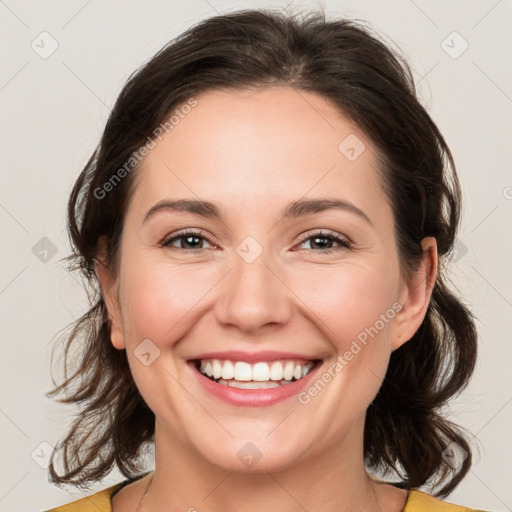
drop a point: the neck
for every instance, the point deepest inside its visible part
(334, 479)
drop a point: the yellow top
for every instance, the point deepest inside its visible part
(417, 501)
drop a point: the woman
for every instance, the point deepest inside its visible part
(266, 221)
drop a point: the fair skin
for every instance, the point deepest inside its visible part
(253, 153)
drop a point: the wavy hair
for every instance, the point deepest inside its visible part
(369, 82)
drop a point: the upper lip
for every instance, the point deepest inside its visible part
(253, 357)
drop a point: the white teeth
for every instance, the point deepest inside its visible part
(288, 370)
(260, 372)
(228, 370)
(217, 369)
(241, 372)
(276, 371)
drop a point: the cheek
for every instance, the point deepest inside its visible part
(158, 299)
(160, 303)
(349, 302)
(353, 307)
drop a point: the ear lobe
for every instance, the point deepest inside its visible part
(416, 294)
(109, 293)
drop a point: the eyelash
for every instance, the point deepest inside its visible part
(329, 235)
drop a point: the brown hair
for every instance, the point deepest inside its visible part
(372, 85)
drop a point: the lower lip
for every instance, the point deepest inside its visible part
(253, 397)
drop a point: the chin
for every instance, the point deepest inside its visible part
(252, 454)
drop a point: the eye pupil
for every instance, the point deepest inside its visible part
(188, 238)
(327, 240)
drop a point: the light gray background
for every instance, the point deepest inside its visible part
(52, 113)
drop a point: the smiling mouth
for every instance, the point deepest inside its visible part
(260, 375)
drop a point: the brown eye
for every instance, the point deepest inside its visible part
(190, 241)
(324, 241)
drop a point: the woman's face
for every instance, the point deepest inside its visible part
(259, 283)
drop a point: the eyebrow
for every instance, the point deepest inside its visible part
(293, 210)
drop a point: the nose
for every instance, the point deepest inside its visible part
(253, 296)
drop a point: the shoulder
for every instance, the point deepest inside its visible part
(99, 502)
(419, 501)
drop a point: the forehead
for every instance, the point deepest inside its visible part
(248, 149)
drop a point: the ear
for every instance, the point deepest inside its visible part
(415, 295)
(109, 292)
